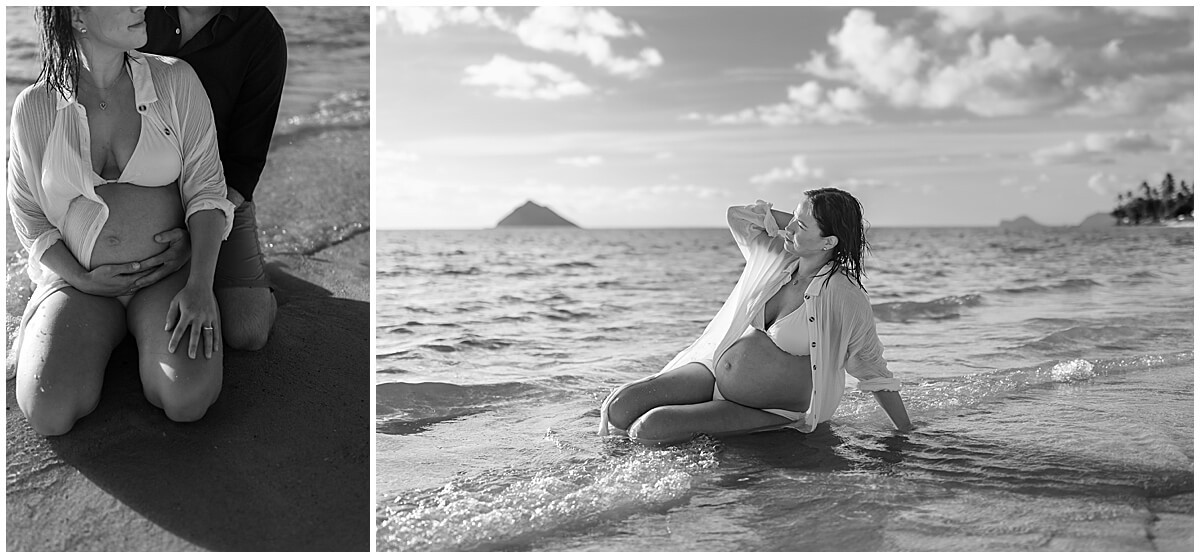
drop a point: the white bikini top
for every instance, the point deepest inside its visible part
(789, 332)
(156, 161)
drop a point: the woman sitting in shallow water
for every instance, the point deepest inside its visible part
(109, 148)
(774, 354)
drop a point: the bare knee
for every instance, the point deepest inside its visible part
(188, 405)
(622, 411)
(54, 416)
(659, 426)
(184, 391)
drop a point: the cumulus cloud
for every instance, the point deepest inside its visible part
(1105, 184)
(1152, 13)
(1100, 148)
(524, 80)
(1000, 77)
(874, 58)
(798, 171)
(1134, 95)
(422, 20)
(587, 32)
(865, 184)
(1111, 50)
(951, 19)
(809, 103)
(581, 162)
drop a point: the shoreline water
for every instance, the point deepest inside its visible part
(1055, 410)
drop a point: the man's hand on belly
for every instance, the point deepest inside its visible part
(177, 252)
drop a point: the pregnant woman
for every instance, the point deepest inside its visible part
(774, 355)
(108, 148)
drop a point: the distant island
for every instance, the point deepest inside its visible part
(1021, 223)
(1093, 221)
(534, 215)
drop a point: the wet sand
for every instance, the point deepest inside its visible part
(282, 460)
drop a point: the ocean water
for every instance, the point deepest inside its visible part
(328, 75)
(1050, 374)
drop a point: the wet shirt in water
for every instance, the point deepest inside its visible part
(52, 185)
(848, 344)
(241, 58)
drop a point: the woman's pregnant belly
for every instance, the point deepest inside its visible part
(135, 215)
(756, 373)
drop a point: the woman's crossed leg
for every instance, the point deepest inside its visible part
(677, 405)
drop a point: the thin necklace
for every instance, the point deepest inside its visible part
(104, 98)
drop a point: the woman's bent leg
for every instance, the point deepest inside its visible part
(65, 348)
(678, 423)
(690, 383)
(182, 387)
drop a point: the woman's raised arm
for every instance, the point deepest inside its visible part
(755, 224)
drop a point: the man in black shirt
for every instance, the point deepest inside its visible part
(240, 55)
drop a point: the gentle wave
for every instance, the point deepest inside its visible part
(939, 309)
(1065, 285)
(400, 404)
(1087, 336)
(949, 394)
(512, 512)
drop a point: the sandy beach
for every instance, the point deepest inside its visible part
(282, 459)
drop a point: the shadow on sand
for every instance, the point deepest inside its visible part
(282, 459)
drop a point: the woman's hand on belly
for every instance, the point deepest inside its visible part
(135, 215)
(756, 373)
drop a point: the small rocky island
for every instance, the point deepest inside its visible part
(1021, 223)
(534, 215)
(1093, 221)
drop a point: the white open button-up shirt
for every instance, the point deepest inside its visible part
(49, 162)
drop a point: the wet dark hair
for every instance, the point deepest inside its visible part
(840, 214)
(60, 54)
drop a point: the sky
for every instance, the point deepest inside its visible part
(630, 117)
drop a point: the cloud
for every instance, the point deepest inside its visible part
(798, 171)
(1111, 50)
(1135, 95)
(874, 58)
(1100, 148)
(419, 20)
(1146, 14)
(865, 184)
(581, 162)
(1105, 184)
(587, 32)
(951, 19)
(1004, 78)
(1001, 77)
(807, 104)
(524, 80)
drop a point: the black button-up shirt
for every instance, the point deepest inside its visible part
(241, 58)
